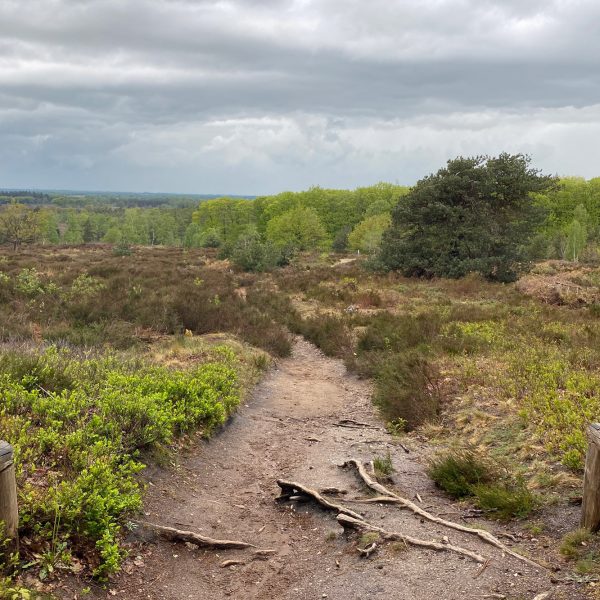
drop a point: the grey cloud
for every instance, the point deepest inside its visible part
(130, 91)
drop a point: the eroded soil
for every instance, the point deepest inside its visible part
(289, 428)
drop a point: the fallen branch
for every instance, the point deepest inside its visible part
(366, 552)
(484, 535)
(349, 523)
(291, 490)
(352, 424)
(180, 535)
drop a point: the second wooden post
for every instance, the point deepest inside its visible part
(590, 513)
(9, 513)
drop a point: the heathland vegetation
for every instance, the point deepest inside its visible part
(114, 354)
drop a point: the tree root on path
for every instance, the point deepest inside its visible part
(179, 535)
(349, 523)
(291, 490)
(389, 496)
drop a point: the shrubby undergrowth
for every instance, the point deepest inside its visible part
(81, 426)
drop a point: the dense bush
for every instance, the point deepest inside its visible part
(79, 424)
(407, 387)
(476, 214)
(330, 333)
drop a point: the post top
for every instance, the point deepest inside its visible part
(594, 433)
(6, 453)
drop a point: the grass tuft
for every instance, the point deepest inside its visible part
(456, 472)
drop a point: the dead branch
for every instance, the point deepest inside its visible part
(349, 523)
(291, 489)
(231, 563)
(333, 491)
(366, 552)
(404, 502)
(352, 424)
(403, 447)
(180, 535)
(482, 568)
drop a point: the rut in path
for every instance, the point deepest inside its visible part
(289, 429)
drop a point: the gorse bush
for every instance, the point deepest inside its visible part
(82, 422)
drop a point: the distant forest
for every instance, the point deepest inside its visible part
(315, 219)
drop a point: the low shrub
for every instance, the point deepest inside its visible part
(78, 425)
(330, 333)
(457, 471)
(505, 500)
(396, 333)
(383, 465)
(407, 386)
(575, 543)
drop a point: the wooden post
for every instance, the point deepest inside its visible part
(590, 511)
(9, 513)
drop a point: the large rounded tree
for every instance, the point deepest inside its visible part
(476, 214)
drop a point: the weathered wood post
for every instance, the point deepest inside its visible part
(9, 513)
(590, 510)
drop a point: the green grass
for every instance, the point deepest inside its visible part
(575, 543)
(505, 500)
(383, 465)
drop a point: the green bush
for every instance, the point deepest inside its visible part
(82, 423)
(251, 253)
(505, 500)
(456, 472)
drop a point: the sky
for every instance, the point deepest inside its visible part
(256, 97)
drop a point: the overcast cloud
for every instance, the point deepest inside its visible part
(248, 96)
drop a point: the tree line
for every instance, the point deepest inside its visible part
(488, 214)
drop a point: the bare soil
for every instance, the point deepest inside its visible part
(289, 428)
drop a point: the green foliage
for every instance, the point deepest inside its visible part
(558, 400)
(122, 249)
(85, 421)
(29, 283)
(383, 465)
(299, 229)
(476, 214)
(577, 234)
(367, 235)
(574, 543)
(251, 253)
(456, 472)
(18, 225)
(505, 500)
(464, 473)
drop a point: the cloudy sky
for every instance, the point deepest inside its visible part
(249, 96)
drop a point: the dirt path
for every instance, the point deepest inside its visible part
(226, 489)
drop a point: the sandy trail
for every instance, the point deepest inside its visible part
(226, 488)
